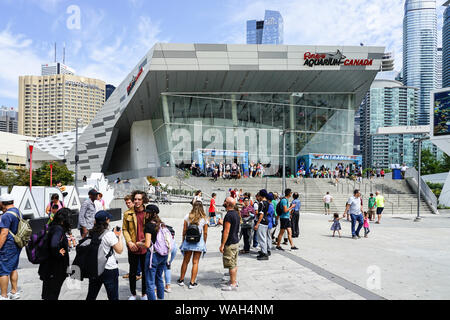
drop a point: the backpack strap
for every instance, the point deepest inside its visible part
(15, 215)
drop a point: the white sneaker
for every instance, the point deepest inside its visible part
(193, 285)
(3, 298)
(14, 296)
(132, 298)
(168, 290)
(144, 297)
(230, 288)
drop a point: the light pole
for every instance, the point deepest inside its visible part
(77, 158)
(419, 141)
(30, 149)
(283, 133)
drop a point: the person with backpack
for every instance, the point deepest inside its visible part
(195, 234)
(54, 201)
(285, 219)
(53, 269)
(159, 243)
(10, 235)
(110, 243)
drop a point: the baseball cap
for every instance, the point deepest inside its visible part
(151, 208)
(263, 193)
(93, 192)
(102, 216)
(6, 198)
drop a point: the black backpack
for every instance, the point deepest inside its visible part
(172, 231)
(90, 257)
(37, 248)
(279, 209)
(193, 234)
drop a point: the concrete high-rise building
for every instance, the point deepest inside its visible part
(267, 31)
(51, 69)
(8, 120)
(446, 47)
(439, 68)
(388, 104)
(419, 52)
(49, 105)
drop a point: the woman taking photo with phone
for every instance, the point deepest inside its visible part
(111, 242)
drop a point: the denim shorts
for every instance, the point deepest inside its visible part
(9, 258)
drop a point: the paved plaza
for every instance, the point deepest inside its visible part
(401, 259)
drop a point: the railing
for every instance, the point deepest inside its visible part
(425, 191)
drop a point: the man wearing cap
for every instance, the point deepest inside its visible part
(86, 218)
(9, 251)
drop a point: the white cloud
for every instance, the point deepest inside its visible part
(111, 61)
(17, 57)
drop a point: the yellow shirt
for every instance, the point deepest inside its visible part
(380, 201)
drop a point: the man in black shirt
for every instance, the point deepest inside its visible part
(230, 242)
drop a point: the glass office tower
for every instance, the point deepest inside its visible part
(446, 48)
(419, 52)
(267, 31)
(387, 104)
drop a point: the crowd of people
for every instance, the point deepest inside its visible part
(226, 170)
(268, 221)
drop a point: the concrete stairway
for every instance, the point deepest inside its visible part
(399, 198)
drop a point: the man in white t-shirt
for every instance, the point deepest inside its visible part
(327, 201)
(353, 207)
(403, 169)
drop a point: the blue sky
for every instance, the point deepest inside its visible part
(115, 34)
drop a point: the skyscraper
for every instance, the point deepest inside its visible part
(387, 104)
(419, 52)
(49, 105)
(439, 68)
(8, 120)
(446, 47)
(267, 31)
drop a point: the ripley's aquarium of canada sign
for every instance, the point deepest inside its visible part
(333, 59)
(134, 80)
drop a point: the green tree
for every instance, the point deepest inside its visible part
(445, 164)
(2, 165)
(41, 176)
(430, 165)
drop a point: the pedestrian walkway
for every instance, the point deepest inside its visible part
(400, 260)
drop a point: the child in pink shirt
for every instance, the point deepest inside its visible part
(366, 224)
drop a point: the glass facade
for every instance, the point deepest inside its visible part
(419, 52)
(267, 31)
(446, 49)
(254, 122)
(388, 104)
